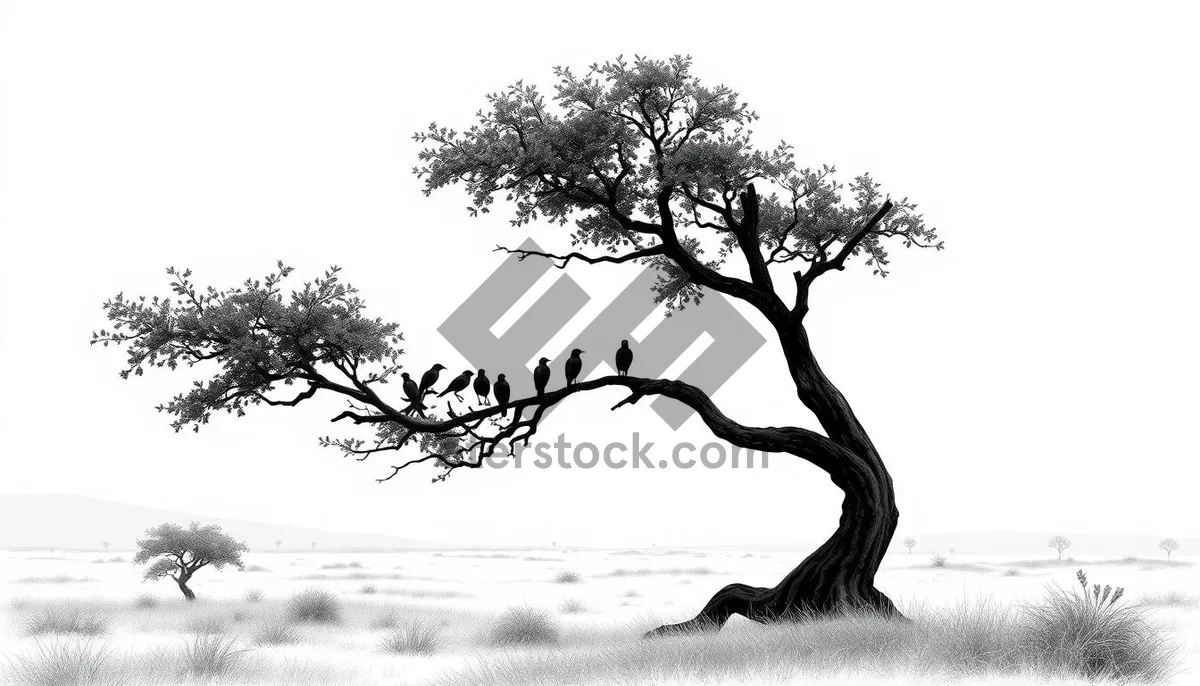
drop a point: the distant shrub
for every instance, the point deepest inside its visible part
(631, 593)
(343, 565)
(524, 626)
(207, 625)
(383, 620)
(145, 601)
(59, 579)
(572, 606)
(368, 589)
(1090, 634)
(256, 568)
(254, 595)
(275, 633)
(315, 605)
(110, 560)
(1012, 572)
(415, 638)
(1170, 599)
(937, 560)
(65, 620)
(568, 577)
(66, 663)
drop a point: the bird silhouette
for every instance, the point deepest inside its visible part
(624, 359)
(574, 365)
(429, 378)
(458, 383)
(541, 376)
(503, 393)
(482, 387)
(412, 394)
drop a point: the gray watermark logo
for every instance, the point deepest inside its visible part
(636, 454)
(468, 329)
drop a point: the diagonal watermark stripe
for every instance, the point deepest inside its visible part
(468, 329)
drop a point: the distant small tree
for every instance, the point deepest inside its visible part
(1169, 545)
(314, 545)
(105, 544)
(179, 553)
(909, 543)
(1059, 543)
(278, 544)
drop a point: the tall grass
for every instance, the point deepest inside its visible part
(64, 620)
(61, 662)
(210, 655)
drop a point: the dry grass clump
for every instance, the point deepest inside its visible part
(275, 633)
(568, 577)
(572, 606)
(315, 605)
(59, 579)
(254, 595)
(524, 626)
(671, 571)
(145, 601)
(414, 638)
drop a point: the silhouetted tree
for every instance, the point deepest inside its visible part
(278, 544)
(314, 545)
(909, 543)
(1059, 543)
(653, 167)
(179, 553)
(1168, 545)
(105, 545)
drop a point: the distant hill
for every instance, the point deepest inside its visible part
(1024, 543)
(80, 522)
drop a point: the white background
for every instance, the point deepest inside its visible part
(1039, 374)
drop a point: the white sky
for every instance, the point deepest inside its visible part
(1040, 374)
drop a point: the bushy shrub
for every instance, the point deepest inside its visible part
(145, 601)
(209, 655)
(937, 560)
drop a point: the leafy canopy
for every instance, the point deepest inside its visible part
(178, 551)
(259, 338)
(637, 153)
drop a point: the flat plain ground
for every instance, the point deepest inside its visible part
(517, 616)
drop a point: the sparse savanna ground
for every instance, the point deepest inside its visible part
(565, 617)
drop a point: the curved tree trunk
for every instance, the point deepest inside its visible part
(839, 575)
(183, 587)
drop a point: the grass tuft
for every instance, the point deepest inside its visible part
(275, 633)
(210, 655)
(572, 606)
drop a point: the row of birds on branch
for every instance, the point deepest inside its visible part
(415, 393)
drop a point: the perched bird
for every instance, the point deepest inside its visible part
(412, 394)
(574, 365)
(458, 383)
(503, 393)
(624, 359)
(482, 387)
(541, 376)
(429, 378)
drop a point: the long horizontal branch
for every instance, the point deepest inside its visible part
(612, 259)
(809, 445)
